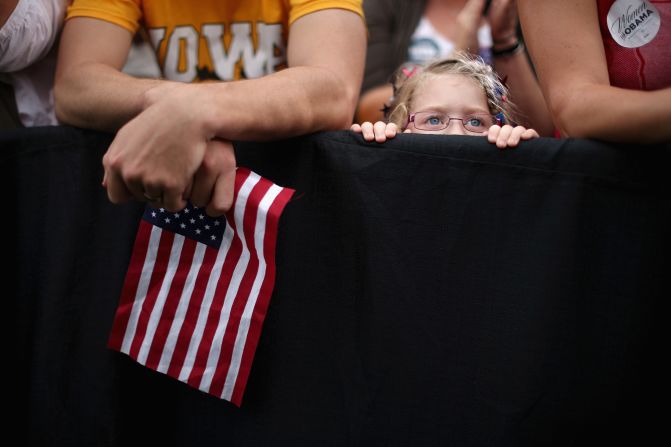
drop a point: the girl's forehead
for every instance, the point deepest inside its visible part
(450, 90)
(446, 80)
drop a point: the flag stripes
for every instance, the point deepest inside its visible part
(195, 311)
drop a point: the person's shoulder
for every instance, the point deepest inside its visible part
(300, 8)
(124, 13)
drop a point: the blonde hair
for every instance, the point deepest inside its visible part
(407, 81)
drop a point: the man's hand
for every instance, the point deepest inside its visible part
(156, 155)
(214, 181)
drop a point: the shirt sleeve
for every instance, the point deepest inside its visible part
(125, 13)
(29, 33)
(299, 8)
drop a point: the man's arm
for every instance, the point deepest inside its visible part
(318, 91)
(161, 149)
(573, 74)
(90, 89)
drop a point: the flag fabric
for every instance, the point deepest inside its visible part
(198, 288)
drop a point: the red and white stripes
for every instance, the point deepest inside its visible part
(194, 312)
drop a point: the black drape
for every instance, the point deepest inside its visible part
(430, 291)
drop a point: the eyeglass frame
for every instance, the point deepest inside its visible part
(497, 120)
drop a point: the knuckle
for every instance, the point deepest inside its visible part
(112, 161)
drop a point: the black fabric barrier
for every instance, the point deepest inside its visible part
(430, 291)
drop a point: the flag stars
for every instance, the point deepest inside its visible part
(182, 225)
(198, 231)
(207, 227)
(213, 237)
(216, 223)
(167, 220)
(162, 210)
(201, 217)
(176, 215)
(186, 211)
(153, 214)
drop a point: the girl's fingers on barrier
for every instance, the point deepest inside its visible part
(504, 135)
(379, 128)
(391, 130)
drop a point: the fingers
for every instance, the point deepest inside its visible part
(529, 134)
(514, 138)
(220, 158)
(379, 132)
(128, 179)
(521, 133)
(172, 199)
(222, 194)
(509, 136)
(367, 131)
(391, 130)
(205, 177)
(504, 134)
(379, 129)
(211, 186)
(117, 192)
(493, 133)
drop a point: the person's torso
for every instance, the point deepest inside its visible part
(637, 41)
(218, 40)
(427, 43)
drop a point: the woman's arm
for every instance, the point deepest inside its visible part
(381, 15)
(516, 69)
(565, 43)
(525, 91)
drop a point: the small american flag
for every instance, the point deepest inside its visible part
(197, 289)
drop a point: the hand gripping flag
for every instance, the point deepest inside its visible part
(197, 289)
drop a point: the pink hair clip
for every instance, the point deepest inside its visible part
(409, 73)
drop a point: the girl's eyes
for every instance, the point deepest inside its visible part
(433, 120)
(475, 122)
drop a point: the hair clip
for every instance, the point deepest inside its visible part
(409, 73)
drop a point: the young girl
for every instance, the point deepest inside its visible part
(456, 96)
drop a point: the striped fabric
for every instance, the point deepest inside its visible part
(197, 289)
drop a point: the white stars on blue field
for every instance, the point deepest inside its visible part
(207, 230)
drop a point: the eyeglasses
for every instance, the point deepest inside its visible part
(476, 123)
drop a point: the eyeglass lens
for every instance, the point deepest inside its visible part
(431, 121)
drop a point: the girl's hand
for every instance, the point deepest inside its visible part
(380, 131)
(509, 136)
